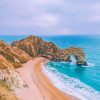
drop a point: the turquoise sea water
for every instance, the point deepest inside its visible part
(83, 82)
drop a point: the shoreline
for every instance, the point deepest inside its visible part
(40, 87)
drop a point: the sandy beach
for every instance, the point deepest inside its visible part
(39, 86)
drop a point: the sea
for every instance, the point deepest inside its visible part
(82, 82)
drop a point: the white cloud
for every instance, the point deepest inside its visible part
(94, 12)
(46, 20)
(49, 16)
(64, 31)
(95, 19)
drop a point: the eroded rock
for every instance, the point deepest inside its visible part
(36, 47)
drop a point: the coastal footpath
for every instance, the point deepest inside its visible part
(13, 56)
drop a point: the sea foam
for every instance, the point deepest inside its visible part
(70, 85)
(89, 64)
(74, 63)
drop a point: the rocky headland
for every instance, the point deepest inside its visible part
(36, 47)
(12, 56)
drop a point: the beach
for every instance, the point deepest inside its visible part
(39, 86)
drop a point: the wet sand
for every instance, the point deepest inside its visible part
(39, 86)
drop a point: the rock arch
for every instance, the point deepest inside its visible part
(78, 53)
(36, 47)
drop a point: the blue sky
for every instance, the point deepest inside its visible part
(49, 17)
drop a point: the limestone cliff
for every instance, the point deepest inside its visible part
(35, 47)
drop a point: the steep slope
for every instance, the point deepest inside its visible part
(12, 55)
(10, 58)
(4, 63)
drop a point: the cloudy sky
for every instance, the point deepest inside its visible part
(49, 17)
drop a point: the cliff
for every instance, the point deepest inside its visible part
(36, 47)
(18, 52)
(10, 58)
(10, 55)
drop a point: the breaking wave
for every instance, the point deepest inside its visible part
(70, 85)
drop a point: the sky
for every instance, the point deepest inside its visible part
(49, 17)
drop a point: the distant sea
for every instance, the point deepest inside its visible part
(83, 82)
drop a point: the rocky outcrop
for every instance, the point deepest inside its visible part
(36, 47)
(78, 53)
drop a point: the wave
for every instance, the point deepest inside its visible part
(89, 64)
(73, 62)
(70, 85)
